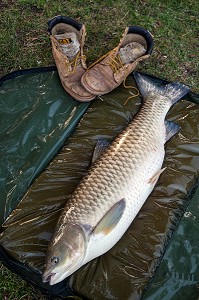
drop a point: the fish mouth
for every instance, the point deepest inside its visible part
(56, 277)
(48, 278)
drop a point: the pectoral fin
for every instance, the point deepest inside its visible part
(110, 220)
(154, 179)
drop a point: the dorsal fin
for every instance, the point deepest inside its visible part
(99, 149)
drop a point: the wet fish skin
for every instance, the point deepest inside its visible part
(116, 186)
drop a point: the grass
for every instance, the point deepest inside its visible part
(174, 25)
(14, 288)
(25, 43)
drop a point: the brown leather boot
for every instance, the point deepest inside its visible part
(67, 37)
(113, 68)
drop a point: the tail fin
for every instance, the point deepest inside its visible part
(174, 90)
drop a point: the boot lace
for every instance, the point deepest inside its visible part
(116, 63)
(75, 62)
(131, 87)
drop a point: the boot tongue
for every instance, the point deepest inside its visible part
(131, 52)
(69, 44)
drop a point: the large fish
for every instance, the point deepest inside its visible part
(116, 186)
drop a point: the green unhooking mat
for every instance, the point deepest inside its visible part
(36, 116)
(178, 274)
(128, 270)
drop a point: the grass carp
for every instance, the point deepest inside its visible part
(121, 177)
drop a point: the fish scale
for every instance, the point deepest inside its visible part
(116, 186)
(125, 161)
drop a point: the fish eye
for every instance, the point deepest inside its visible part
(54, 260)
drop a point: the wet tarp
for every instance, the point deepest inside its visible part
(36, 116)
(127, 270)
(177, 276)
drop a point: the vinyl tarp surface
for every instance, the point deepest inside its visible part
(36, 116)
(128, 270)
(177, 277)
